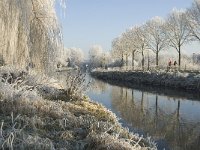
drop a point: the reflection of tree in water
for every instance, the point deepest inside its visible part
(121, 103)
(156, 121)
(98, 86)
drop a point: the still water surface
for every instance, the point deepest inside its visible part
(173, 122)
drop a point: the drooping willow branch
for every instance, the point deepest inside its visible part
(31, 33)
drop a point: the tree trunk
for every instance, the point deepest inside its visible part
(179, 57)
(142, 102)
(178, 110)
(156, 113)
(126, 61)
(148, 61)
(133, 58)
(142, 60)
(157, 59)
(156, 105)
(132, 97)
(122, 59)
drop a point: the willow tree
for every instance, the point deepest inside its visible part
(30, 33)
(157, 39)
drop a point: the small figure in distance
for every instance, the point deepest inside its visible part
(175, 63)
(169, 65)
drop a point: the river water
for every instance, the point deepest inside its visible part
(172, 121)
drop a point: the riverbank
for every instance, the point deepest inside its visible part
(173, 80)
(37, 113)
(149, 112)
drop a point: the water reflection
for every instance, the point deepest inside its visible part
(173, 122)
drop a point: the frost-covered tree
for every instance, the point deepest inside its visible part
(126, 45)
(193, 19)
(95, 55)
(137, 39)
(130, 42)
(131, 46)
(117, 49)
(30, 33)
(99, 58)
(140, 41)
(64, 57)
(156, 35)
(105, 59)
(108, 57)
(76, 56)
(177, 31)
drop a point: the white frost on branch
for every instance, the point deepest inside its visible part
(30, 34)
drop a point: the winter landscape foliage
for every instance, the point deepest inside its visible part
(158, 40)
(30, 34)
(37, 111)
(140, 58)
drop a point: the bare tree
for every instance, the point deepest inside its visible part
(132, 44)
(193, 19)
(177, 31)
(117, 49)
(140, 41)
(126, 45)
(156, 35)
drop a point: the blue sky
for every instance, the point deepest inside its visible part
(89, 22)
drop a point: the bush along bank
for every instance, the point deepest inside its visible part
(36, 113)
(174, 80)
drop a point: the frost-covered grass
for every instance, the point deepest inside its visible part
(31, 119)
(187, 80)
(173, 71)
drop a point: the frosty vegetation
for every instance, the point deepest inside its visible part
(38, 111)
(152, 44)
(97, 57)
(171, 79)
(30, 34)
(30, 119)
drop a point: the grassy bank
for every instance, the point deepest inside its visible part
(173, 80)
(37, 113)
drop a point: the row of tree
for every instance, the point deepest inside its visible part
(158, 34)
(74, 57)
